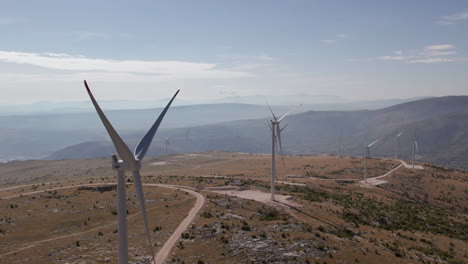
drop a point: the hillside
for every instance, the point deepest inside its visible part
(441, 125)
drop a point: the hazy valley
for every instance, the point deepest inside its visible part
(441, 125)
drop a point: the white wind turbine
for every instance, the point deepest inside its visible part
(397, 144)
(276, 138)
(339, 145)
(168, 144)
(367, 156)
(415, 148)
(186, 140)
(128, 162)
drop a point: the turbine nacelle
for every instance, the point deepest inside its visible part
(120, 165)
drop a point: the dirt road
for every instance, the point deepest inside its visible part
(163, 253)
(161, 256)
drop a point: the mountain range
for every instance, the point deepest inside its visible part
(440, 124)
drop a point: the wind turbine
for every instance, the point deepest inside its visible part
(186, 140)
(167, 144)
(276, 139)
(128, 162)
(397, 144)
(339, 145)
(367, 156)
(415, 148)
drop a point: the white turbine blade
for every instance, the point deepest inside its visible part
(278, 136)
(372, 143)
(281, 130)
(269, 125)
(399, 134)
(416, 144)
(142, 148)
(123, 150)
(141, 201)
(279, 120)
(271, 111)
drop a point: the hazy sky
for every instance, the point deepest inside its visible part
(209, 49)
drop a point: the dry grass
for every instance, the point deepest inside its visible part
(335, 222)
(82, 224)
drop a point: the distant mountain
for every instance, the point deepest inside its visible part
(38, 135)
(311, 102)
(441, 125)
(283, 100)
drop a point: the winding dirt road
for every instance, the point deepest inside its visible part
(162, 254)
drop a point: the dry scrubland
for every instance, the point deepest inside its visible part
(417, 217)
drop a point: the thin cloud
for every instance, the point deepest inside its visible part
(428, 54)
(6, 20)
(438, 60)
(458, 16)
(176, 69)
(430, 60)
(246, 57)
(334, 40)
(391, 58)
(452, 19)
(328, 41)
(91, 34)
(439, 47)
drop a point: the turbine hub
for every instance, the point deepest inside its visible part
(120, 165)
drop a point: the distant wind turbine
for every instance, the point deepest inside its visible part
(415, 148)
(276, 139)
(129, 162)
(397, 144)
(367, 156)
(186, 140)
(339, 145)
(168, 144)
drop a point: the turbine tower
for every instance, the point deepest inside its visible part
(276, 139)
(126, 161)
(367, 156)
(397, 144)
(415, 148)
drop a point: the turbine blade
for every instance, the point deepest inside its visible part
(416, 144)
(372, 143)
(141, 200)
(292, 109)
(271, 111)
(399, 134)
(142, 148)
(278, 132)
(281, 130)
(123, 150)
